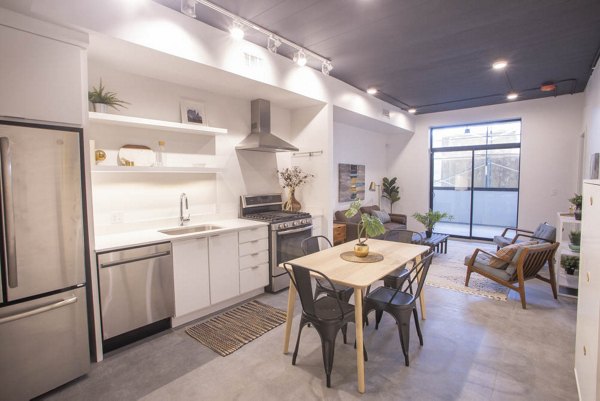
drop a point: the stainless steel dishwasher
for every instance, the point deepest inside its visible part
(136, 292)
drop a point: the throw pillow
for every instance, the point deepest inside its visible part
(512, 267)
(503, 256)
(382, 216)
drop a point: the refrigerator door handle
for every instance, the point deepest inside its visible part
(37, 311)
(8, 213)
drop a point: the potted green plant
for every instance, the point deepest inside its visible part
(570, 264)
(101, 99)
(577, 201)
(575, 238)
(369, 226)
(430, 219)
(391, 191)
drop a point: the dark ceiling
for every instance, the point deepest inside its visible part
(434, 55)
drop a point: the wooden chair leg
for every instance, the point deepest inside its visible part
(522, 294)
(468, 276)
(552, 279)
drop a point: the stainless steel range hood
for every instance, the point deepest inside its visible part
(261, 139)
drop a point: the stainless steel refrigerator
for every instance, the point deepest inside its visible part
(44, 339)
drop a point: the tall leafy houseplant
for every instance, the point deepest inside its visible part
(391, 191)
(368, 226)
(101, 96)
(430, 219)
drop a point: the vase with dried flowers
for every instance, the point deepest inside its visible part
(292, 178)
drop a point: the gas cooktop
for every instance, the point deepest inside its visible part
(277, 216)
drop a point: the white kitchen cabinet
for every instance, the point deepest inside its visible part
(191, 277)
(40, 78)
(587, 358)
(254, 259)
(224, 267)
(567, 283)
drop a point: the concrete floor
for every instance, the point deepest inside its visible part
(475, 349)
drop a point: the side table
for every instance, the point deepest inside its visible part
(339, 233)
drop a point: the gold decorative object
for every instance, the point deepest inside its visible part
(100, 155)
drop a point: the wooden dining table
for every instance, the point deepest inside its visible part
(356, 275)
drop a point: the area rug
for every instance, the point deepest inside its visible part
(235, 328)
(448, 271)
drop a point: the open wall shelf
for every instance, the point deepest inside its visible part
(160, 125)
(143, 169)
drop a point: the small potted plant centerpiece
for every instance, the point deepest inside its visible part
(575, 237)
(577, 201)
(430, 219)
(369, 226)
(101, 99)
(292, 178)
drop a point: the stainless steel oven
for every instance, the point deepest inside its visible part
(285, 245)
(287, 231)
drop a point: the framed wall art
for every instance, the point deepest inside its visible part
(192, 112)
(351, 182)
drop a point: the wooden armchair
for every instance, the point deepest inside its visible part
(544, 232)
(525, 265)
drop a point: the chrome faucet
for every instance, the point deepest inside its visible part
(183, 200)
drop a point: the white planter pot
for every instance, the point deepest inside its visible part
(100, 107)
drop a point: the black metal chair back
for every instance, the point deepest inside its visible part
(405, 236)
(301, 278)
(315, 244)
(418, 272)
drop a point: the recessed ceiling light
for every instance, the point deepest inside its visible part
(372, 91)
(412, 111)
(237, 31)
(512, 96)
(499, 64)
(300, 58)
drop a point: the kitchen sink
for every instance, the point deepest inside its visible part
(190, 229)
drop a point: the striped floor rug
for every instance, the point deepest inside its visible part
(231, 330)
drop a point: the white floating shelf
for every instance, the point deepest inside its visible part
(140, 169)
(137, 122)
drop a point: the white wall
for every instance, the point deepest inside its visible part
(357, 146)
(142, 200)
(591, 121)
(551, 140)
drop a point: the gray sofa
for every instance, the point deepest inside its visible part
(398, 221)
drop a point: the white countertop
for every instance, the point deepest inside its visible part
(110, 242)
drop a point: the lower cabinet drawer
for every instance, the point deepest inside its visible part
(251, 247)
(254, 259)
(253, 234)
(254, 277)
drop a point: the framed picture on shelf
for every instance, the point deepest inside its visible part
(192, 112)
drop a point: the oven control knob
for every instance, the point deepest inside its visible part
(285, 225)
(296, 223)
(306, 221)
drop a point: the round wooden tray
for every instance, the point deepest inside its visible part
(370, 258)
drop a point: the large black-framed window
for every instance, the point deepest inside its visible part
(474, 176)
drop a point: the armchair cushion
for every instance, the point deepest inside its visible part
(382, 216)
(482, 262)
(504, 256)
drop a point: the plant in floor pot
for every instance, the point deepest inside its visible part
(368, 226)
(570, 264)
(292, 178)
(101, 99)
(575, 238)
(391, 191)
(430, 219)
(577, 201)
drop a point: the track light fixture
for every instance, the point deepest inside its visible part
(372, 91)
(237, 31)
(188, 7)
(412, 110)
(326, 67)
(512, 96)
(273, 41)
(300, 58)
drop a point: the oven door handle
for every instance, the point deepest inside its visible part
(298, 230)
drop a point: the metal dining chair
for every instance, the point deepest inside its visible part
(397, 277)
(401, 304)
(315, 244)
(327, 314)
